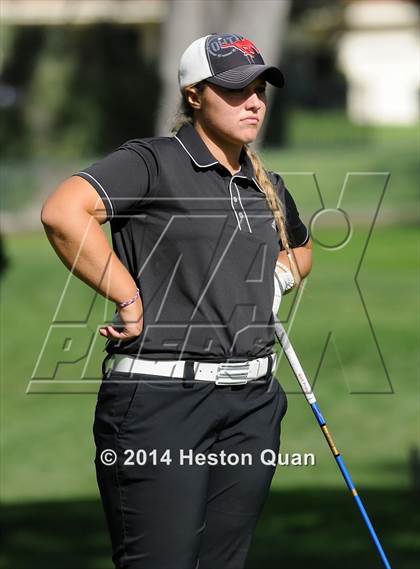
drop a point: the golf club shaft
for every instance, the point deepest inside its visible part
(310, 397)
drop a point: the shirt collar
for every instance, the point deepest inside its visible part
(197, 150)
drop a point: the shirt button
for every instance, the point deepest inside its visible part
(241, 214)
(235, 199)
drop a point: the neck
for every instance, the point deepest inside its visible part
(226, 153)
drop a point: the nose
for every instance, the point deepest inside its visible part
(254, 101)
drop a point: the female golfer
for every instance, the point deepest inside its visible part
(188, 401)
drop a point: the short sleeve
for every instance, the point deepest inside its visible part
(124, 177)
(297, 231)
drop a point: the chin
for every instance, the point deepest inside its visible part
(249, 139)
(243, 135)
(249, 134)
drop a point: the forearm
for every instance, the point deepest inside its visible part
(81, 244)
(301, 264)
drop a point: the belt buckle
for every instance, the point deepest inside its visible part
(232, 373)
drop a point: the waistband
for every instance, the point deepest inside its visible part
(223, 373)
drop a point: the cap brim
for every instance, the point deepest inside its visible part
(240, 77)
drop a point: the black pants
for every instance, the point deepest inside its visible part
(169, 515)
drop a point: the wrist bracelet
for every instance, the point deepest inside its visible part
(130, 301)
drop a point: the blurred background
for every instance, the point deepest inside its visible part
(80, 77)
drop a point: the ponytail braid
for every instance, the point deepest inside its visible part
(276, 207)
(271, 197)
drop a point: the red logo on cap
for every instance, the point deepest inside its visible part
(245, 46)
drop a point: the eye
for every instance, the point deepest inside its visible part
(261, 89)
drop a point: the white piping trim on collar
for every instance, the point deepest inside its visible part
(192, 157)
(102, 188)
(258, 186)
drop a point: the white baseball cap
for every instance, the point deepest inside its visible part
(228, 60)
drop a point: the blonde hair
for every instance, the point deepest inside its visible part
(185, 114)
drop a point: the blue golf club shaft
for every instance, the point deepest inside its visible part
(310, 397)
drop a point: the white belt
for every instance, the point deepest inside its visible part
(224, 373)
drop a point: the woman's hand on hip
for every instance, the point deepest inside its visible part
(127, 323)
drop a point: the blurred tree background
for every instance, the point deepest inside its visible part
(78, 91)
(72, 91)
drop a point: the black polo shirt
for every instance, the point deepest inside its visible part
(200, 243)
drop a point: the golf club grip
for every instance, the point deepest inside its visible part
(293, 361)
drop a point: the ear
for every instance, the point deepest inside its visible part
(193, 97)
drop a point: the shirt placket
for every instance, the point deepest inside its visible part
(236, 203)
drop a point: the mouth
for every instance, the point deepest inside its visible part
(251, 120)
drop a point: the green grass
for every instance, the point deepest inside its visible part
(360, 394)
(309, 527)
(25, 182)
(327, 147)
